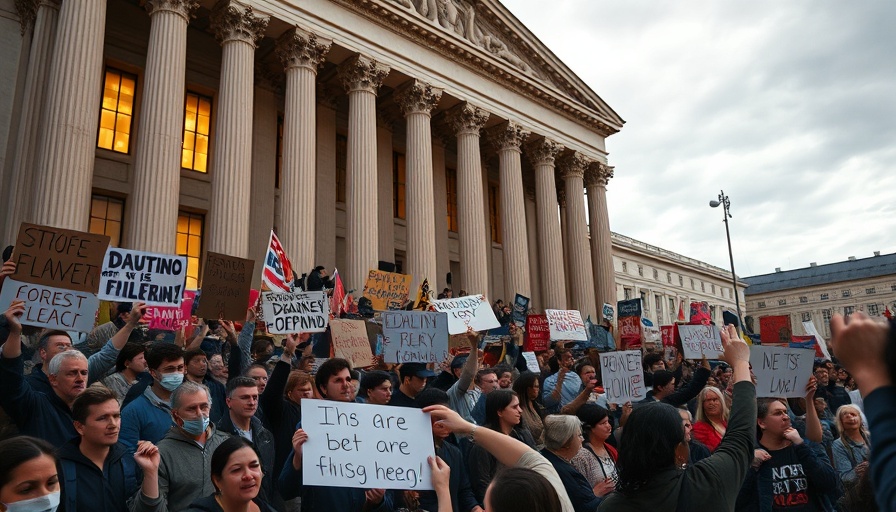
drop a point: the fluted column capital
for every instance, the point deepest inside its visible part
(598, 174)
(301, 48)
(183, 8)
(507, 136)
(467, 118)
(362, 73)
(233, 21)
(561, 197)
(27, 11)
(544, 151)
(572, 165)
(417, 97)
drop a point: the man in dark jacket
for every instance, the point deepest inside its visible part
(95, 472)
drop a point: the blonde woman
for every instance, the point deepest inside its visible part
(852, 449)
(712, 417)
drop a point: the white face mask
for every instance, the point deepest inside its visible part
(46, 503)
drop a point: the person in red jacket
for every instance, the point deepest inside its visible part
(712, 418)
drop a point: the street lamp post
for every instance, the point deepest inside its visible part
(725, 202)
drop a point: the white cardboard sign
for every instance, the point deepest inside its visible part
(471, 311)
(53, 308)
(623, 376)
(700, 340)
(531, 362)
(781, 372)
(137, 276)
(414, 336)
(566, 324)
(366, 446)
(286, 313)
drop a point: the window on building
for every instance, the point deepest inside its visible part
(658, 305)
(873, 309)
(870, 291)
(494, 212)
(451, 187)
(680, 281)
(672, 307)
(824, 296)
(641, 270)
(197, 122)
(713, 289)
(702, 287)
(399, 184)
(668, 277)
(106, 215)
(712, 311)
(782, 302)
(760, 304)
(625, 267)
(189, 244)
(826, 316)
(807, 317)
(845, 293)
(117, 110)
(804, 300)
(279, 168)
(644, 302)
(893, 288)
(341, 166)
(848, 310)
(656, 274)
(693, 285)
(627, 293)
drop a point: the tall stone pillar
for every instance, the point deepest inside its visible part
(385, 127)
(550, 244)
(22, 184)
(237, 28)
(325, 226)
(66, 154)
(301, 53)
(597, 175)
(416, 100)
(152, 215)
(467, 121)
(507, 139)
(361, 76)
(572, 169)
(564, 238)
(532, 247)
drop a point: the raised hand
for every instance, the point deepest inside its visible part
(147, 457)
(13, 314)
(735, 349)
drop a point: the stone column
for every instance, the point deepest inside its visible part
(361, 76)
(385, 127)
(597, 175)
(416, 100)
(301, 53)
(550, 244)
(22, 184)
(325, 226)
(152, 214)
(572, 169)
(237, 28)
(67, 147)
(507, 139)
(564, 238)
(467, 121)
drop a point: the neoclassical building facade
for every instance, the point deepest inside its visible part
(440, 136)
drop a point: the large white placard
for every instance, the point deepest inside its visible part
(781, 371)
(700, 340)
(286, 313)
(566, 324)
(471, 311)
(622, 376)
(53, 308)
(367, 446)
(414, 337)
(137, 276)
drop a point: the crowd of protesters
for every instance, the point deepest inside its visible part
(211, 420)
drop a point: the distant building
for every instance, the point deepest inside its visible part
(818, 291)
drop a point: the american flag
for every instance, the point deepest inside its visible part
(277, 269)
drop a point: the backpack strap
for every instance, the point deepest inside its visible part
(70, 473)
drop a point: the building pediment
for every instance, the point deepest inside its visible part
(488, 38)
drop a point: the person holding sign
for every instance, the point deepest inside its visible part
(562, 387)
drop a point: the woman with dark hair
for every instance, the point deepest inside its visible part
(596, 460)
(513, 488)
(562, 441)
(131, 362)
(236, 475)
(653, 451)
(28, 477)
(502, 414)
(528, 388)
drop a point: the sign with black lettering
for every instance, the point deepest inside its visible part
(350, 342)
(60, 258)
(387, 290)
(226, 284)
(52, 308)
(366, 446)
(286, 313)
(622, 375)
(781, 372)
(136, 276)
(472, 311)
(415, 337)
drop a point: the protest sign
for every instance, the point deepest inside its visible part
(650, 334)
(520, 308)
(59, 258)
(531, 362)
(700, 340)
(566, 324)
(700, 313)
(538, 333)
(414, 337)
(169, 318)
(781, 371)
(669, 335)
(622, 376)
(608, 312)
(350, 342)
(629, 323)
(226, 282)
(775, 329)
(136, 276)
(472, 311)
(366, 446)
(810, 329)
(286, 313)
(387, 290)
(53, 308)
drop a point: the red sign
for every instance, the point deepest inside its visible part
(538, 333)
(700, 313)
(630, 332)
(775, 329)
(171, 318)
(669, 334)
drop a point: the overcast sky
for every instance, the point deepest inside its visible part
(790, 107)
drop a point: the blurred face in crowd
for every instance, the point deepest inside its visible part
(659, 365)
(534, 390)
(217, 367)
(260, 376)
(512, 414)
(822, 375)
(776, 421)
(305, 390)
(712, 405)
(686, 423)
(198, 367)
(193, 406)
(55, 344)
(587, 374)
(566, 360)
(102, 425)
(243, 402)
(850, 419)
(340, 387)
(138, 363)
(505, 380)
(842, 375)
(414, 385)
(71, 379)
(381, 394)
(488, 383)
(712, 382)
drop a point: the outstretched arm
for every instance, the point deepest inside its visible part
(503, 447)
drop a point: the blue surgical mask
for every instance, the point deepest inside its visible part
(171, 381)
(196, 427)
(46, 503)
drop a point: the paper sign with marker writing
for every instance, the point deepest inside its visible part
(622, 375)
(136, 276)
(286, 313)
(700, 340)
(171, 318)
(531, 362)
(566, 324)
(520, 307)
(414, 337)
(53, 308)
(387, 290)
(226, 284)
(350, 342)
(781, 371)
(60, 258)
(366, 446)
(471, 311)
